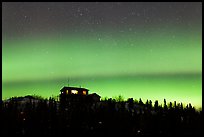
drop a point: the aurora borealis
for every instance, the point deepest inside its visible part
(147, 50)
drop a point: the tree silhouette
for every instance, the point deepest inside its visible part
(165, 106)
(170, 105)
(156, 105)
(120, 98)
(140, 102)
(101, 118)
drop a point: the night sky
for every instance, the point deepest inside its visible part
(147, 50)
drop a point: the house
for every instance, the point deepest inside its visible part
(95, 97)
(22, 101)
(72, 96)
(74, 90)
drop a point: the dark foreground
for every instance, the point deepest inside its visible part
(109, 117)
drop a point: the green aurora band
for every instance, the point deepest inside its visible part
(151, 64)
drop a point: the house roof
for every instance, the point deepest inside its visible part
(94, 94)
(76, 88)
(21, 98)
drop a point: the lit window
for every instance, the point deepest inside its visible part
(74, 92)
(84, 92)
(66, 91)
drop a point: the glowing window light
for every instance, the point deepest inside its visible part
(67, 91)
(74, 92)
(84, 92)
